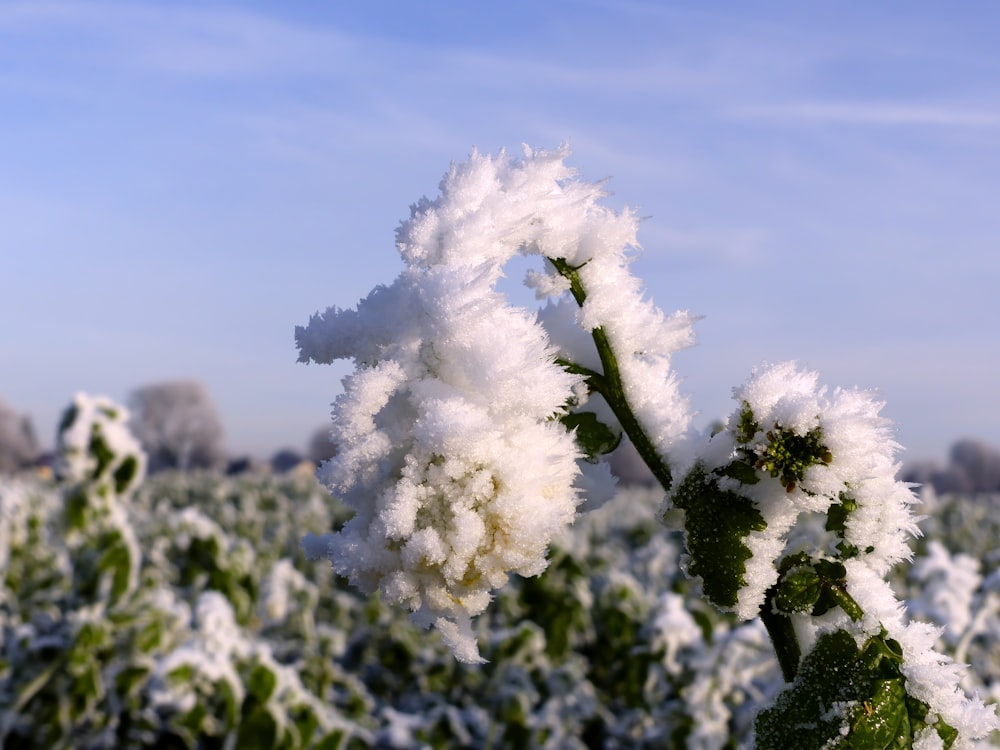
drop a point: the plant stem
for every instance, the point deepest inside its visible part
(846, 602)
(783, 638)
(609, 384)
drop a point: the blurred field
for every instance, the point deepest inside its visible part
(233, 639)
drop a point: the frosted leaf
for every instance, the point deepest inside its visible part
(281, 589)
(931, 677)
(790, 448)
(95, 445)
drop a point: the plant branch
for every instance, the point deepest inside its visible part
(610, 386)
(783, 638)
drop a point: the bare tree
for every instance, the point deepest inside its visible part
(979, 463)
(178, 426)
(973, 466)
(285, 459)
(930, 474)
(18, 446)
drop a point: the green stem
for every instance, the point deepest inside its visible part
(609, 384)
(783, 638)
(846, 602)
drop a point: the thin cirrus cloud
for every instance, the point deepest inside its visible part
(186, 40)
(883, 113)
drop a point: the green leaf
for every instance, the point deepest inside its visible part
(90, 685)
(846, 698)
(76, 511)
(715, 524)
(262, 682)
(836, 515)
(195, 719)
(225, 691)
(130, 679)
(335, 740)
(593, 436)
(809, 713)
(183, 673)
(747, 426)
(101, 451)
(32, 688)
(150, 637)
(258, 730)
(118, 561)
(125, 473)
(68, 418)
(836, 521)
(741, 471)
(883, 718)
(90, 639)
(799, 590)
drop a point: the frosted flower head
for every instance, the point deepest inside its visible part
(452, 452)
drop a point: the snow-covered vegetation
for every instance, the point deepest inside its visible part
(471, 575)
(231, 638)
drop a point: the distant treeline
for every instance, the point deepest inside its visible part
(180, 428)
(973, 467)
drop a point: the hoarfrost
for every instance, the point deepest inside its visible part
(451, 455)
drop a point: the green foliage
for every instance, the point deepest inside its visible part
(593, 436)
(784, 454)
(847, 698)
(582, 656)
(88, 628)
(716, 522)
(814, 587)
(799, 590)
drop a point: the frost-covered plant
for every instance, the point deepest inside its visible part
(102, 464)
(472, 431)
(79, 570)
(128, 621)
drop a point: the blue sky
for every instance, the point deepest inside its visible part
(181, 184)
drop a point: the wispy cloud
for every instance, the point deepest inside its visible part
(184, 39)
(878, 113)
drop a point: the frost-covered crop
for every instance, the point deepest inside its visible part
(473, 431)
(792, 449)
(96, 446)
(452, 432)
(104, 463)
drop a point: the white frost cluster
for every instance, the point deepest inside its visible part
(98, 453)
(216, 659)
(948, 587)
(732, 675)
(281, 591)
(450, 450)
(862, 464)
(15, 512)
(208, 655)
(674, 629)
